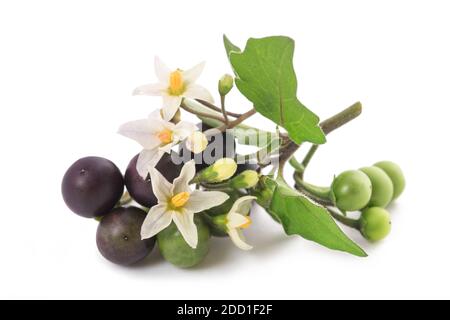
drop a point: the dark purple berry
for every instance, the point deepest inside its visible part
(141, 190)
(92, 186)
(119, 236)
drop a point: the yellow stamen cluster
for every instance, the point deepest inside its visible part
(246, 224)
(179, 199)
(176, 87)
(165, 136)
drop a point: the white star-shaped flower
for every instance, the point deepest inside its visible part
(173, 86)
(237, 219)
(177, 202)
(157, 136)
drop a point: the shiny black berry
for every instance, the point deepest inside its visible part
(92, 186)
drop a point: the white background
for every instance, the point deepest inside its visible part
(67, 70)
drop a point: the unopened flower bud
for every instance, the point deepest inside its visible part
(245, 180)
(197, 142)
(221, 170)
(225, 84)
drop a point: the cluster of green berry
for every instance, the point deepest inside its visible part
(369, 190)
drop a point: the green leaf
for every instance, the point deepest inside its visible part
(229, 46)
(265, 75)
(300, 216)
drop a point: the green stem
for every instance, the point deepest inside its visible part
(238, 121)
(225, 189)
(323, 202)
(352, 223)
(224, 112)
(124, 200)
(320, 192)
(215, 108)
(329, 126)
(221, 185)
(296, 164)
(201, 114)
(341, 118)
(309, 155)
(287, 151)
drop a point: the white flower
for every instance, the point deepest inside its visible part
(178, 203)
(237, 219)
(173, 86)
(156, 136)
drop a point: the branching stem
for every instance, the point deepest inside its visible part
(201, 114)
(328, 126)
(215, 108)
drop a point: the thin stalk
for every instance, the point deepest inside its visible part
(286, 152)
(215, 108)
(320, 192)
(224, 112)
(323, 202)
(296, 164)
(231, 124)
(125, 199)
(201, 114)
(328, 126)
(349, 222)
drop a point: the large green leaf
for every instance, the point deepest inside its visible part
(300, 216)
(265, 75)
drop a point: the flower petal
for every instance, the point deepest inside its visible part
(235, 220)
(154, 89)
(142, 131)
(203, 200)
(147, 159)
(194, 91)
(185, 224)
(238, 239)
(184, 129)
(242, 205)
(158, 218)
(161, 187)
(170, 106)
(162, 71)
(166, 148)
(191, 75)
(181, 183)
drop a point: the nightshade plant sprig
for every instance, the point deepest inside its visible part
(191, 184)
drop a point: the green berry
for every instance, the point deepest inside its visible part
(395, 173)
(351, 190)
(375, 224)
(382, 187)
(174, 248)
